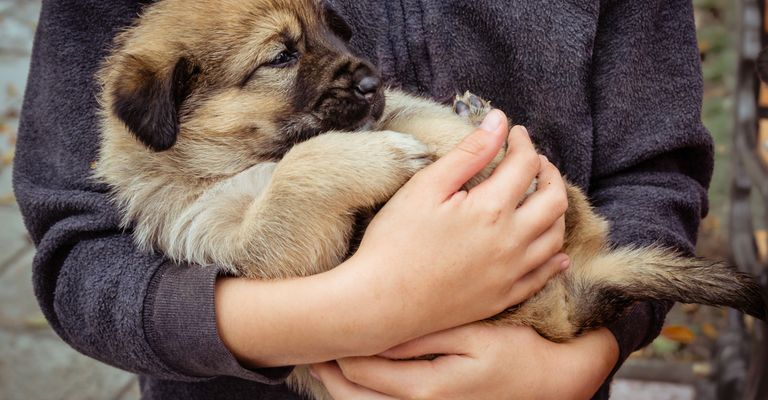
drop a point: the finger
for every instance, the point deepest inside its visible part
(546, 245)
(548, 203)
(534, 281)
(449, 173)
(340, 388)
(512, 177)
(400, 379)
(450, 341)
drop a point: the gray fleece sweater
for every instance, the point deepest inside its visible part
(610, 90)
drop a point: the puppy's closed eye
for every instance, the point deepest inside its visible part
(284, 59)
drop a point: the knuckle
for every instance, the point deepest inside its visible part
(349, 372)
(530, 162)
(515, 296)
(561, 202)
(535, 286)
(560, 241)
(472, 144)
(491, 211)
(556, 244)
(524, 293)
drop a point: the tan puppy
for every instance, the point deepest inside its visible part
(227, 139)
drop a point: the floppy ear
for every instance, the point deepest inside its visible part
(337, 24)
(148, 100)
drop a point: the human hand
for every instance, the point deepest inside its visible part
(454, 257)
(480, 361)
(434, 258)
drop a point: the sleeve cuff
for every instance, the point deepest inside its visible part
(180, 323)
(638, 327)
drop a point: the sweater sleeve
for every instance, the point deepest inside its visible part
(653, 158)
(102, 295)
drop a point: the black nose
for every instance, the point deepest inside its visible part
(367, 86)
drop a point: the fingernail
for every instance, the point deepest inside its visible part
(314, 374)
(565, 264)
(491, 121)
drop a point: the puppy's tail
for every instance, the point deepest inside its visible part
(612, 280)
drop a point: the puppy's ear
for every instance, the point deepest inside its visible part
(337, 24)
(147, 99)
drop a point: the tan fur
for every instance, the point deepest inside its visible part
(220, 196)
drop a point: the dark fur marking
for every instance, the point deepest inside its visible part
(362, 220)
(701, 281)
(337, 24)
(325, 89)
(149, 104)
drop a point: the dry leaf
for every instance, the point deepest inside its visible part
(678, 333)
(7, 199)
(7, 158)
(749, 323)
(12, 113)
(704, 46)
(761, 241)
(721, 149)
(664, 346)
(36, 322)
(636, 354)
(702, 369)
(690, 308)
(11, 90)
(710, 331)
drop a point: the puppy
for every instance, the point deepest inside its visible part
(245, 134)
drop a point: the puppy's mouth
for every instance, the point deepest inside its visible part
(335, 112)
(376, 111)
(350, 109)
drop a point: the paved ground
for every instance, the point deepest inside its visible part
(34, 362)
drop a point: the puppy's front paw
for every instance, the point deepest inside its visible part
(353, 170)
(409, 153)
(471, 107)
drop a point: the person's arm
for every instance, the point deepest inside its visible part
(652, 163)
(104, 297)
(481, 361)
(653, 158)
(146, 314)
(409, 273)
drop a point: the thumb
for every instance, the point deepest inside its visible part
(449, 173)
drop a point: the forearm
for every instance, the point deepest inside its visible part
(653, 157)
(322, 317)
(585, 362)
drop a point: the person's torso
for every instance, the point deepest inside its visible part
(532, 59)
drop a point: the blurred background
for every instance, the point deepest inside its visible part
(680, 364)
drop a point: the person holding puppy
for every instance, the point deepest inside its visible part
(584, 87)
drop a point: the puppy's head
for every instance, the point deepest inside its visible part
(253, 77)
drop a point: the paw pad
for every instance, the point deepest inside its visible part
(471, 107)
